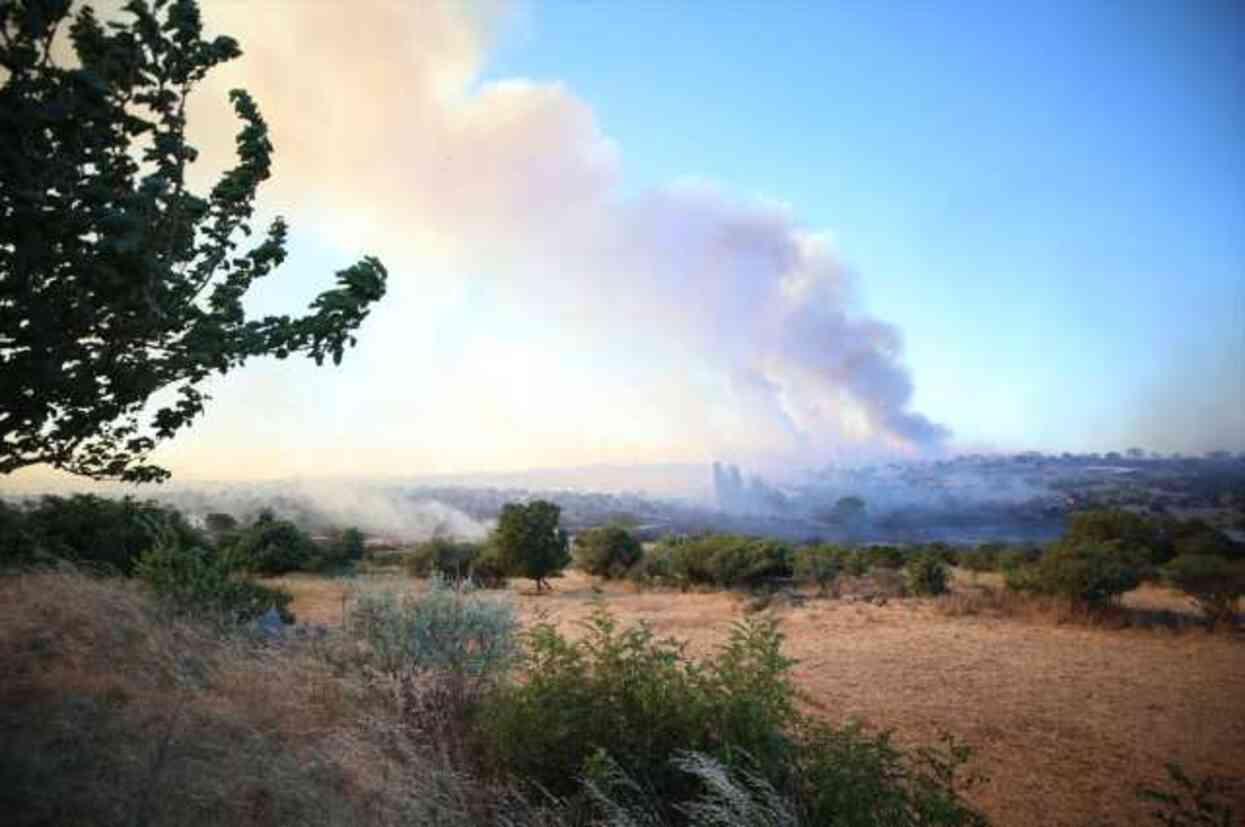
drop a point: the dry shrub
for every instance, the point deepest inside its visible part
(113, 713)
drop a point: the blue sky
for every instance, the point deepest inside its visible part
(1047, 199)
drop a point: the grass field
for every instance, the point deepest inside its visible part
(1066, 719)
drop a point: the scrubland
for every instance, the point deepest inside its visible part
(1067, 718)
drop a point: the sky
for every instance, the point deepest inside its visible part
(779, 234)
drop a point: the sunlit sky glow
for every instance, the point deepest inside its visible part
(772, 233)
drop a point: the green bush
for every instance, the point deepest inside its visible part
(443, 556)
(198, 581)
(448, 629)
(730, 561)
(926, 574)
(656, 566)
(621, 719)
(86, 529)
(1091, 575)
(271, 546)
(1214, 584)
(820, 565)
(607, 551)
(886, 557)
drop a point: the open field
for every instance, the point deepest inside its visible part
(1066, 720)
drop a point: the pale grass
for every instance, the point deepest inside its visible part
(1067, 720)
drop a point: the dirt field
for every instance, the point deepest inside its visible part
(1066, 720)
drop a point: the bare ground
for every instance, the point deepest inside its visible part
(1066, 720)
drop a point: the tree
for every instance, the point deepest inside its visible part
(271, 546)
(607, 551)
(117, 281)
(529, 541)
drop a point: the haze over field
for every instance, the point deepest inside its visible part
(673, 237)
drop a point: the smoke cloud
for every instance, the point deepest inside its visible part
(736, 330)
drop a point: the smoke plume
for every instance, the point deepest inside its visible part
(733, 329)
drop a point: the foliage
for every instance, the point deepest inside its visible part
(272, 546)
(343, 549)
(116, 280)
(926, 574)
(199, 581)
(849, 777)
(886, 557)
(1214, 583)
(441, 555)
(729, 561)
(529, 542)
(820, 565)
(642, 700)
(607, 551)
(87, 529)
(656, 565)
(650, 736)
(1189, 803)
(1091, 575)
(448, 629)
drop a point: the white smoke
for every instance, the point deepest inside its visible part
(378, 114)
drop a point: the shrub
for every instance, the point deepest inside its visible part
(271, 546)
(730, 561)
(1213, 583)
(1092, 575)
(926, 574)
(820, 565)
(443, 556)
(1185, 802)
(886, 557)
(655, 566)
(104, 533)
(607, 551)
(448, 629)
(627, 723)
(199, 581)
(642, 700)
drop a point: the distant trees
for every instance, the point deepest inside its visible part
(530, 543)
(607, 551)
(117, 281)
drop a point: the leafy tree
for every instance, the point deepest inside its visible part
(529, 541)
(1090, 574)
(117, 281)
(607, 551)
(100, 531)
(272, 546)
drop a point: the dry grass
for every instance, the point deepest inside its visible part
(1067, 720)
(110, 713)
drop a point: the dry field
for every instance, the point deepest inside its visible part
(1066, 720)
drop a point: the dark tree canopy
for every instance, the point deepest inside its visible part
(117, 281)
(530, 542)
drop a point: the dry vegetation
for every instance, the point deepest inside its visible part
(110, 708)
(1067, 718)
